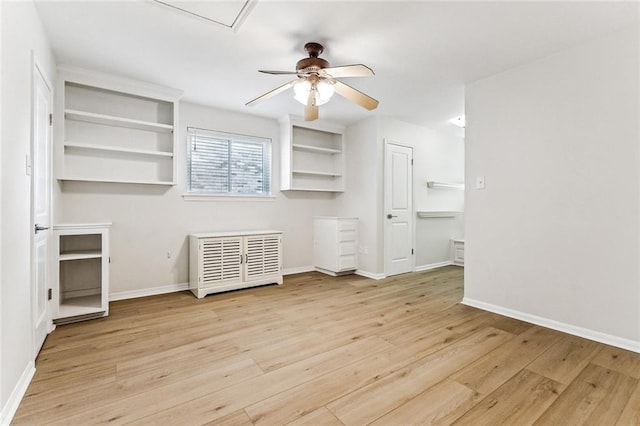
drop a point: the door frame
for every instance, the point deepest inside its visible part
(36, 69)
(385, 206)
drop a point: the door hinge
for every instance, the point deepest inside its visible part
(412, 161)
(50, 119)
(49, 294)
(411, 251)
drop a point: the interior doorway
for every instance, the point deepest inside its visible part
(398, 209)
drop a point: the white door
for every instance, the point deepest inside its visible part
(40, 205)
(398, 204)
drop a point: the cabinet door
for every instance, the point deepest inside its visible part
(263, 256)
(220, 261)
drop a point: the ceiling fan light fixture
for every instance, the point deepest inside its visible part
(324, 92)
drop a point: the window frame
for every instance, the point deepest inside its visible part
(232, 138)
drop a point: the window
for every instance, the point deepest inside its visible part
(228, 164)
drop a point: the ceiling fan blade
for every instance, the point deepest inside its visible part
(271, 93)
(356, 96)
(311, 109)
(278, 72)
(356, 70)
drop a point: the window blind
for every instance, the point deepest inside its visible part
(224, 163)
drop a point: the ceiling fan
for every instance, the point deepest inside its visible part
(316, 83)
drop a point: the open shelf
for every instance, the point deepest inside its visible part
(115, 130)
(82, 272)
(109, 180)
(314, 173)
(91, 147)
(81, 254)
(309, 148)
(111, 120)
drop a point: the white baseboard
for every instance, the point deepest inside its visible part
(10, 408)
(597, 336)
(432, 266)
(371, 275)
(298, 270)
(132, 294)
(172, 288)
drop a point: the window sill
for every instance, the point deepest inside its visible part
(214, 197)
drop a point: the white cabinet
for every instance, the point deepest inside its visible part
(335, 244)
(82, 269)
(457, 247)
(312, 155)
(109, 129)
(232, 260)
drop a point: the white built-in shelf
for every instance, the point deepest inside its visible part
(78, 306)
(82, 290)
(321, 150)
(115, 130)
(315, 173)
(312, 155)
(114, 180)
(437, 213)
(108, 148)
(111, 120)
(81, 254)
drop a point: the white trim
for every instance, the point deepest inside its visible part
(432, 266)
(174, 288)
(298, 270)
(153, 291)
(371, 275)
(597, 336)
(229, 197)
(10, 408)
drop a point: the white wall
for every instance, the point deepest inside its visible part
(363, 187)
(436, 157)
(22, 34)
(555, 234)
(149, 221)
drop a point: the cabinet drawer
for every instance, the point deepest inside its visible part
(346, 263)
(346, 249)
(346, 236)
(350, 225)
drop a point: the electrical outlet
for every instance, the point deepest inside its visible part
(168, 255)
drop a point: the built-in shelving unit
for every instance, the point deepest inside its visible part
(111, 129)
(312, 155)
(82, 271)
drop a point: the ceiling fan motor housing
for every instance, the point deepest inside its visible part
(312, 63)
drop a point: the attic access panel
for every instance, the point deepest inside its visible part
(229, 14)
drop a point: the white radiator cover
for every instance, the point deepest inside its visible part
(233, 260)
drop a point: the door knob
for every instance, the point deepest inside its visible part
(40, 228)
(389, 216)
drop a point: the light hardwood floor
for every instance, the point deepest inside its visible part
(320, 350)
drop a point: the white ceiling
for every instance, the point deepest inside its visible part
(421, 51)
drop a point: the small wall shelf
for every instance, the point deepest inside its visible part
(444, 185)
(312, 155)
(437, 214)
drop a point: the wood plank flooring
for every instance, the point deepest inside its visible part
(323, 350)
